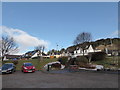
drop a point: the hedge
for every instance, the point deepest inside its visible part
(63, 60)
(96, 56)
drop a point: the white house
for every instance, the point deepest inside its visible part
(35, 55)
(89, 49)
(66, 54)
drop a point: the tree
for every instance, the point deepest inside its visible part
(40, 49)
(7, 46)
(53, 52)
(82, 39)
(62, 50)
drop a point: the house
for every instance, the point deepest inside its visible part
(65, 53)
(29, 54)
(11, 57)
(36, 54)
(57, 56)
(111, 50)
(89, 49)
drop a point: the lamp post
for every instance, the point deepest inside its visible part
(57, 47)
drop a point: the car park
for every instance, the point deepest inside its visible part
(28, 67)
(8, 68)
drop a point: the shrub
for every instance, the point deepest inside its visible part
(15, 62)
(96, 56)
(63, 60)
(72, 61)
(82, 59)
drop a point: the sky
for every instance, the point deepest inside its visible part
(52, 24)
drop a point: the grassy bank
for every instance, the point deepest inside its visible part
(37, 63)
(109, 62)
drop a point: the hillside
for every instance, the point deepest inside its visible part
(110, 43)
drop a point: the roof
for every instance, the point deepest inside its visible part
(13, 56)
(44, 54)
(87, 47)
(8, 63)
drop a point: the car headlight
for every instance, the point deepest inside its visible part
(25, 68)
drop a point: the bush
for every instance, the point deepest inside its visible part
(72, 61)
(15, 62)
(63, 60)
(96, 56)
(82, 59)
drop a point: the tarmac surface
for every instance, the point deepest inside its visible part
(40, 79)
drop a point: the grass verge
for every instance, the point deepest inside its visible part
(39, 64)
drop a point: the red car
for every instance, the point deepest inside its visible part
(28, 67)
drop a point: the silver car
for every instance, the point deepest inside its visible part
(8, 68)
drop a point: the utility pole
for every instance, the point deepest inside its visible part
(57, 47)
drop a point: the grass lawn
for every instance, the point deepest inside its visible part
(37, 63)
(109, 62)
(0, 63)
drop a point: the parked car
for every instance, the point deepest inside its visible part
(8, 68)
(28, 67)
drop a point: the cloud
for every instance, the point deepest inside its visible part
(21, 37)
(115, 33)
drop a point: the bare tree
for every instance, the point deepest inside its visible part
(82, 39)
(7, 46)
(40, 49)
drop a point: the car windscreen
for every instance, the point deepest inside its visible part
(28, 64)
(7, 66)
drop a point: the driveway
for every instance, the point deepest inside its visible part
(63, 80)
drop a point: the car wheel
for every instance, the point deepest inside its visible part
(13, 71)
(22, 70)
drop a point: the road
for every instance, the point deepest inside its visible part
(64, 80)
